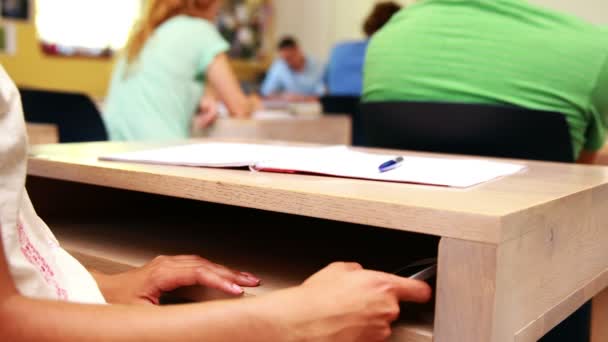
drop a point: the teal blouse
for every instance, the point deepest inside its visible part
(155, 97)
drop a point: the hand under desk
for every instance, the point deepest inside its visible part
(282, 250)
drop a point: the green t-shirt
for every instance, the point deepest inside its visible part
(505, 52)
(155, 97)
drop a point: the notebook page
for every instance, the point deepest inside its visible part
(207, 155)
(343, 162)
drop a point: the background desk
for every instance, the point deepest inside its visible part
(516, 256)
(330, 130)
(603, 158)
(42, 134)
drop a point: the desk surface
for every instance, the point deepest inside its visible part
(42, 133)
(318, 129)
(492, 212)
(603, 157)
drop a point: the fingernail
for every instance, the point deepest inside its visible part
(251, 277)
(237, 289)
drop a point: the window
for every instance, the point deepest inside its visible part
(85, 27)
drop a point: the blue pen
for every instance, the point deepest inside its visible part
(391, 165)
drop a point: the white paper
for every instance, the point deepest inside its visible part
(263, 114)
(338, 161)
(343, 162)
(206, 155)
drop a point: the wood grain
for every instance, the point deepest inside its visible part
(465, 291)
(470, 214)
(552, 270)
(599, 323)
(523, 288)
(39, 134)
(603, 156)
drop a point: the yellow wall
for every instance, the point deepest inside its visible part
(29, 67)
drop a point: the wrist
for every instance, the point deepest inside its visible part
(289, 312)
(108, 286)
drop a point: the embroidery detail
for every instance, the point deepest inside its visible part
(33, 256)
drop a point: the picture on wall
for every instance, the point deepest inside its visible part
(244, 24)
(8, 40)
(15, 9)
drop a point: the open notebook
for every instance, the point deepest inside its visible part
(338, 161)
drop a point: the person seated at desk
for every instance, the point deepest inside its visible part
(498, 53)
(294, 76)
(47, 295)
(172, 62)
(344, 75)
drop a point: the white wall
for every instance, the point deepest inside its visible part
(595, 11)
(319, 24)
(308, 20)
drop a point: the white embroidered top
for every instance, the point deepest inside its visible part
(38, 264)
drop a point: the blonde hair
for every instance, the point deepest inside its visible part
(157, 12)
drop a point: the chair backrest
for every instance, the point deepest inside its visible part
(76, 116)
(346, 105)
(472, 129)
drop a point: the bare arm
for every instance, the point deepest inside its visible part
(24, 319)
(146, 285)
(227, 88)
(342, 303)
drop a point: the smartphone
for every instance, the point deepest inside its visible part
(423, 270)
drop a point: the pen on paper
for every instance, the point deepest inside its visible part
(391, 165)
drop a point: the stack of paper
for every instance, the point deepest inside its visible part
(343, 162)
(219, 155)
(339, 161)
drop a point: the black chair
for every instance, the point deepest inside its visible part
(483, 130)
(346, 105)
(76, 116)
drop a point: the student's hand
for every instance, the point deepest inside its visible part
(256, 103)
(289, 97)
(207, 113)
(145, 285)
(344, 302)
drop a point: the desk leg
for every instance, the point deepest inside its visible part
(522, 288)
(465, 291)
(599, 319)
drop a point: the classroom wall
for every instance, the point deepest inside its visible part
(30, 68)
(319, 24)
(595, 11)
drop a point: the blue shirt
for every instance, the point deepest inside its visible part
(281, 79)
(345, 69)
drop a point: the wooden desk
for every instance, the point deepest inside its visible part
(516, 256)
(42, 134)
(603, 158)
(330, 130)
